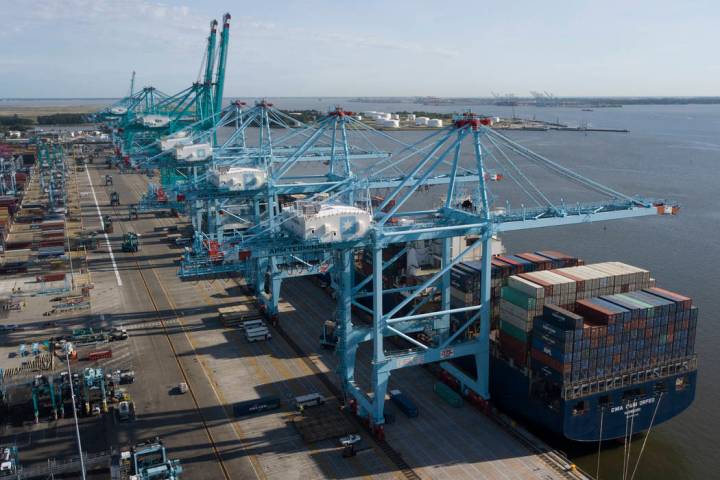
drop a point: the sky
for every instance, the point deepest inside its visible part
(328, 48)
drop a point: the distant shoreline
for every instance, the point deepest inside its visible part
(507, 100)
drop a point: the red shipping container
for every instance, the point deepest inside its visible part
(541, 263)
(50, 277)
(99, 354)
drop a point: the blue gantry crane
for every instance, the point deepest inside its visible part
(147, 115)
(340, 225)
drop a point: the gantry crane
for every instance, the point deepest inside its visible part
(469, 140)
(147, 115)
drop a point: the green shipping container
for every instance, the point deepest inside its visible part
(512, 330)
(518, 298)
(448, 394)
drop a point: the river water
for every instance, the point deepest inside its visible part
(670, 152)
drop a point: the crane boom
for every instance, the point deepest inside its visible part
(210, 63)
(222, 60)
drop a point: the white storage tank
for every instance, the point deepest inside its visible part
(395, 116)
(193, 153)
(421, 121)
(358, 118)
(392, 123)
(435, 122)
(238, 178)
(326, 223)
(153, 121)
(411, 117)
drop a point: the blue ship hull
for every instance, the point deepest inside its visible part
(512, 392)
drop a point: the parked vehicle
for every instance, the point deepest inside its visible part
(126, 411)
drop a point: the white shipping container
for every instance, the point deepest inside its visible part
(527, 287)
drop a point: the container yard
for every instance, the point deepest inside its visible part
(206, 290)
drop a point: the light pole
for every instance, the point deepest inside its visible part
(77, 425)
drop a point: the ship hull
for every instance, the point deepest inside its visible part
(511, 391)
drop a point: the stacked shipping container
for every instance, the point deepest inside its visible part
(465, 277)
(585, 322)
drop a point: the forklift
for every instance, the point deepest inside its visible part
(108, 224)
(131, 242)
(108, 180)
(114, 199)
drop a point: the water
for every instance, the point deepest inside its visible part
(671, 152)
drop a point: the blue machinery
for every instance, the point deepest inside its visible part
(148, 461)
(323, 163)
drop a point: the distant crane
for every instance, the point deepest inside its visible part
(132, 84)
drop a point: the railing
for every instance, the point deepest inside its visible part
(629, 378)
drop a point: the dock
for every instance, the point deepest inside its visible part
(175, 336)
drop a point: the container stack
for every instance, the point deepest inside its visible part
(525, 296)
(612, 335)
(8, 205)
(465, 286)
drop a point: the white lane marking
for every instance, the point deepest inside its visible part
(102, 225)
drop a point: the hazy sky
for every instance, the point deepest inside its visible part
(88, 48)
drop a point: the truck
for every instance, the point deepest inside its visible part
(403, 403)
(328, 338)
(131, 242)
(126, 411)
(127, 376)
(117, 334)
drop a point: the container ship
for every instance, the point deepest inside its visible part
(587, 352)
